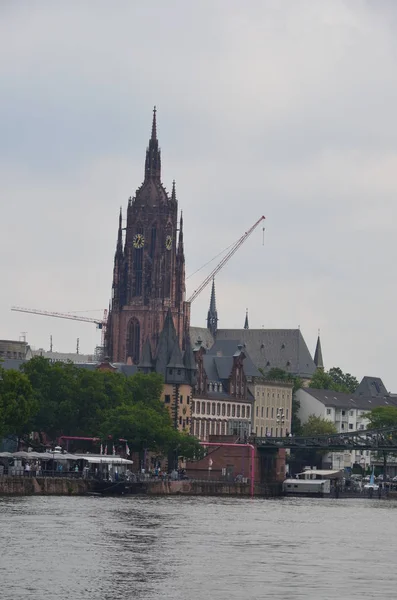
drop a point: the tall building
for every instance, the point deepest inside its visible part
(149, 267)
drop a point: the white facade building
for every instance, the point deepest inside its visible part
(347, 412)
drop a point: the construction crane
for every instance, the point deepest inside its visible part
(100, 323)
(224, 260)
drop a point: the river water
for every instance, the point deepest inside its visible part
(197, 548)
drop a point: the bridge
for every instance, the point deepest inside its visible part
(371, 439)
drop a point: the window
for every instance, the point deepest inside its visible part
(287, 413)
(267, 412)
(257, 411)
(271, 431)
(238, 410)
(180, 420)
(243, 412)
(153, 241)
(351, 413)
(180, 399)
(343, 413)
(248, 412)
(208, 408)
(261, 431)
(276, 431)
(361, 426)
(272, 412)
(187, 399)
(193, 406)
(262, 409)
(198, 408)
(167, 399)
(228, 410)
(218, 409)
(134, 340)
(213, 408)
(223, 410)
(233, 410)
(281, 432)
(178, 372)
(342, 426)
(328, 411)
(350, 425)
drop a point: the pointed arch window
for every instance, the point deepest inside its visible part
(153, 239)
(133, 340)
(138, 265)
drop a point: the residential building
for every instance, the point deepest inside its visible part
(273, 407)
(13, 349)
(348, 412)
(222, 403)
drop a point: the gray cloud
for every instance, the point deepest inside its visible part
(283, 109)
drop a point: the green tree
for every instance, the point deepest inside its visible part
(317, 426)
(17, 403)
(382, 417)
(335, 380)
(345, 380)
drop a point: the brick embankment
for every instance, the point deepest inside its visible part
(51, 486)
(208, 488)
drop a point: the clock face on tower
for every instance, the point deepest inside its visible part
(138, 241)
(168, 242)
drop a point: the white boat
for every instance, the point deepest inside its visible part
(312, 482)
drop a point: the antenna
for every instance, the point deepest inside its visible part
(263, 236)
(78, 346)
(50, 343)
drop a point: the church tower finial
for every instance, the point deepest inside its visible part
(173, 193)
(212, 317)
(180, 239)
(246, 326)
(154, 125)
(153, 155)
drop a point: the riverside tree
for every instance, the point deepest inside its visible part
(334, 379)
(17, 403)
(382, 417)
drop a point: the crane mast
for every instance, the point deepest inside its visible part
(225, 259)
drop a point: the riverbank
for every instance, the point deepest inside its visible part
(62, 486)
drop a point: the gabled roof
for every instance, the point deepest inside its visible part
(347, 401)
(274, 348)
(146, 361)
(203, 334)
(176, 360)
(228, 347)
(371, 386)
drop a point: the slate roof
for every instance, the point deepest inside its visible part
(228, 348)
(371, 386)
(204, 334)
(273, 348)
(347, 401)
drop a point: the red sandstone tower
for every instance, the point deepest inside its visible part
(149, 267)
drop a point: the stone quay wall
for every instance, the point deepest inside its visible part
(209, 488)
(45, 486)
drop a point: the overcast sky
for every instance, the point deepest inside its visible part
(282, 108)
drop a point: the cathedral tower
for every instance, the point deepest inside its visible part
(149, 267)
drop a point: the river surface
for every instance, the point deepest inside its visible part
(197, 548)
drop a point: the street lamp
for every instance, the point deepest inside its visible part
(280, 419)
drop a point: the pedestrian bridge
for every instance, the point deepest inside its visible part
(371, 439)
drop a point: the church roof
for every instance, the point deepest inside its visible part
(176, 361)
(371, 386)
(202, 333)
(146, 361)
(274, 348)
(223, 348)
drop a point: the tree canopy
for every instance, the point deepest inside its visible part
(382, 417)
(65, 399)
(334, 379)
(17, 403)
(318, 426)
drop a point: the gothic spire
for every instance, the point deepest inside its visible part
(153, 155)
(180, 239)
(246, 326)
(119, 249)
(212, 317)
(318, 355)
(173, 193)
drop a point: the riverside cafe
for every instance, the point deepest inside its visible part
(55, 463)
